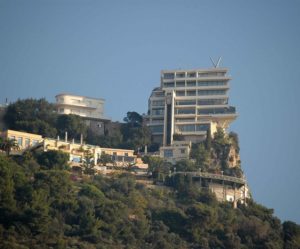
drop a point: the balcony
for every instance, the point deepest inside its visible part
(217, 111)
(76, 104)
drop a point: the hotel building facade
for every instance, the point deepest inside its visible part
(188, 103)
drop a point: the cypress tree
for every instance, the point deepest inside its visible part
(208, 139)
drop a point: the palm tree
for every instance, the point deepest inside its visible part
(8, 145)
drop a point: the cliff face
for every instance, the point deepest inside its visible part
(219, 154)
(233, 159)
(228, 158)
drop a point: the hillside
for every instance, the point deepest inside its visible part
(43, 206)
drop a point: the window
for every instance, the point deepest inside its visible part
(186, 102)
(186, 111)
(168, 76)
(76, 159)
(212, 101)
(158, 94)
(180, 84)
(20, 141)
(180, 75)
(202, 127)
(212, 83)
(168, 153)
(225, 110)
(191, 83)
(211, 92)
(191, 93)
(182, 120)
(158, 102)
(186, 128)
(75, 101)
(180, 93)
(191, 75)
(182, 151)
(34, 142)
(61, 110)
(27, 142)
(156, 128)
(126, 154)
(129, 159)
(169, 84)
(200, 74)
(157, 121)
(158, 111)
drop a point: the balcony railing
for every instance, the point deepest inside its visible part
(225, 110)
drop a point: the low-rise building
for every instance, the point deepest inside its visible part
(77, 152)
(24, 139)
(179, 150)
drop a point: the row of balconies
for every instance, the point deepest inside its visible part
(194, 84)
(79, 104)
(180, 75)
(200, 111)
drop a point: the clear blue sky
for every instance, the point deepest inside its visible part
(116, 49)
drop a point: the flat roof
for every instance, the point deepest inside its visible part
(75, 95)
(213, 69)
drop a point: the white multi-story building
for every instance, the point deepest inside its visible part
(91, 109)
(80, 105)
(188, 103)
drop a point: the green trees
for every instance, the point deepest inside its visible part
(105, 159)
(133, 119)
(208, 140)
(40, 117)
(88, 163)
(8, 145)
(72, 124)
(7, 201)
(135, 134)
(158, 167)
(31, 115)
(291, 235)
(216, 154)
(202, 156)
(40, 207)
(53, 159)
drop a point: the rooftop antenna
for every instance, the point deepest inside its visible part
(218, 62)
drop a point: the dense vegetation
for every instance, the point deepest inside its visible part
(40, 117)
(43, 206)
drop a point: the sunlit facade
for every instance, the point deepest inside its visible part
(91, 109)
